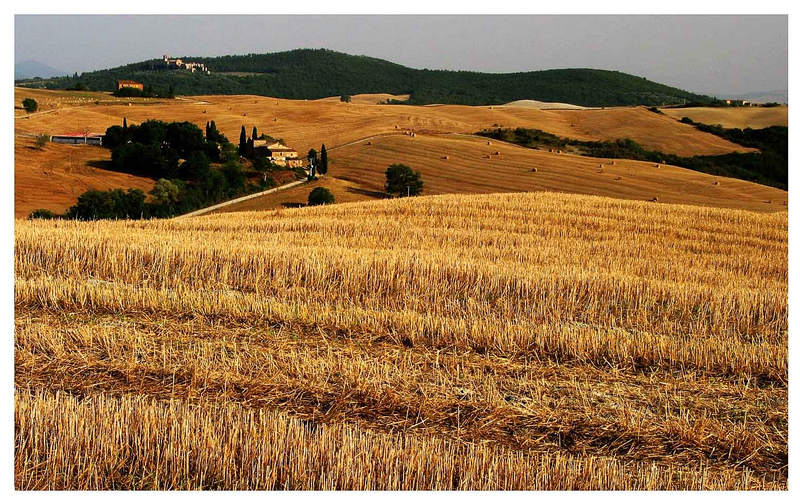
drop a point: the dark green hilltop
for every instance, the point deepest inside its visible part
(319, 73)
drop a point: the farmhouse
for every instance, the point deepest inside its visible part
(185, 65)
(129, 84)
(279, 154)
(79, 138)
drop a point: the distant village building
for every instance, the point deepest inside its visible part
(129, 84)
(278, 154)
(185, 65)
(78, 138)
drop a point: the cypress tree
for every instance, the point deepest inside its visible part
(124, 124)
(242, 141)
(255, 133)
(323, 160)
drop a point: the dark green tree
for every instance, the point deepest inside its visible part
(30, 105)
(320, 196)
(323, 160)
(401, 180)
(242, 141)
(255, 133)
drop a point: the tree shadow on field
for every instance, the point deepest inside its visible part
(292, 204)
(366, 192)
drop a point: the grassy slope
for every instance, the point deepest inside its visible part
(535, 341)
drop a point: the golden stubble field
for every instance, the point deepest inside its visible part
(528, 341)
(734, 117)
(306, 124)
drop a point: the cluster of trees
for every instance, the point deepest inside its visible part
(295, 74)
(768, 167)
(317, 163)
(180, 157)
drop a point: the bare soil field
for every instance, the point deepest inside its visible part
(54, 176)
(502, 341)
(734, 117)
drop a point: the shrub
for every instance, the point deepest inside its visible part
(403, 181)
(30, 105)
(345, 98)
(320, 196)
(42, 213)
(41, 140)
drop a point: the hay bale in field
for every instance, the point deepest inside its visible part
(534, 170)
(716, 182)
(445, 157)
(489, 143)
(613, 163)
(657, 165)
(497, 153)
(618, 178)
(654, 199)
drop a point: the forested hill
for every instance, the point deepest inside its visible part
(318, 73)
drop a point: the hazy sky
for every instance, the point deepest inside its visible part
(708, 54)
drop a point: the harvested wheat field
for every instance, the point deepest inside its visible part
(734, 117)
(467, 164)
(309, 123)
(498, 341)
(342, 190)
(306, 124)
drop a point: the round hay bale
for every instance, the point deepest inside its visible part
(716, 182)
(489, 143)
(534, 170)
(369, 143)
(445, 157)
(654, 199)
(497, 153)
(618, 178)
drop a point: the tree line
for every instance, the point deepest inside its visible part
(320, 73)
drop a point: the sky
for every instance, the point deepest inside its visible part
(720, 55)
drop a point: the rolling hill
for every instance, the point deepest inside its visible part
(43, 181)
(734, 117)
(313, 74)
